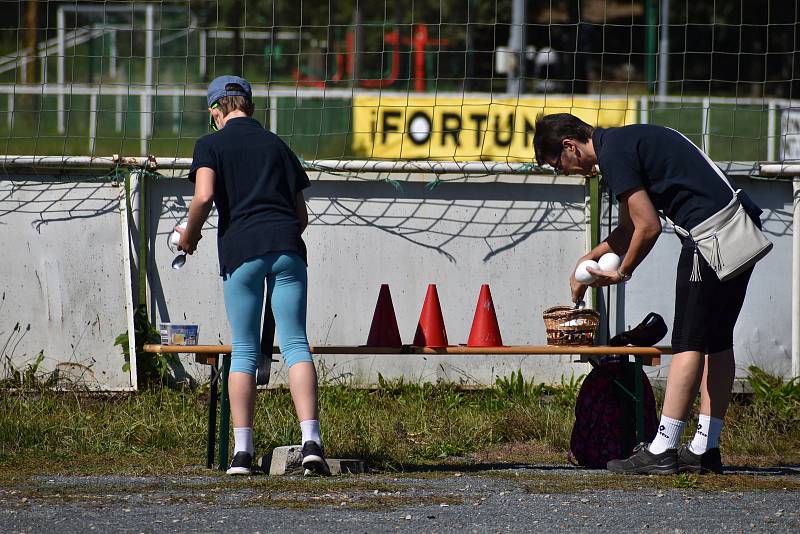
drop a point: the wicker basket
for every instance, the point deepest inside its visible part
(566, 325)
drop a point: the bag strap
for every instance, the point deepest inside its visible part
(710, 163)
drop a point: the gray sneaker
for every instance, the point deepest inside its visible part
(708, 462)
(644, 462)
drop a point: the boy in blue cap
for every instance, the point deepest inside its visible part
(256, 183)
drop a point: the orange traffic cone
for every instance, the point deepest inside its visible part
(430, 329)
(485, 331)
(384, 332)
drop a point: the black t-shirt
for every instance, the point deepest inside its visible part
(257, 179)
(682, 182)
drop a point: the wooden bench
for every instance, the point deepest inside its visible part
(212, 355)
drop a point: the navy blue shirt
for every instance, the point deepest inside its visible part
(257, 179)
(682, 182)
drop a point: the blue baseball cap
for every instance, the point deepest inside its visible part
(216, 89)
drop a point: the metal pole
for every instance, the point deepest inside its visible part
(203, 38)
(212, 415)
(771, 131)
(594, 225)
(273, 114)
(118, 113)
(652, 36)
(516, 46)
(796, 277)
(112, 64)
(148, 68)
(60, 22)
(638, 389)
(143, 125)
(663, 50)
(92, 122)
(224, 413)
(706, 126)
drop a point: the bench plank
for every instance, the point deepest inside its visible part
(454, 349)
(208, 354)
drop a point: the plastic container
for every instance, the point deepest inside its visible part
(178, 334)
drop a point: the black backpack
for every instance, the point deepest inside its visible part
(605, 427)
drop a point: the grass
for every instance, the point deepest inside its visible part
(281, 492)
(399, 427)
(555, 484)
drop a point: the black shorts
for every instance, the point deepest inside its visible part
(705, 311)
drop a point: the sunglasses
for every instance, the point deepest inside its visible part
(211, 118)
(558, 167)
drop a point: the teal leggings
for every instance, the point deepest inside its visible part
(287, 283)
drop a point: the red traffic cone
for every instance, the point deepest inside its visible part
(384, 332)
(485, 331)
(430, 329)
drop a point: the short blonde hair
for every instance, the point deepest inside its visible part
(232, 103)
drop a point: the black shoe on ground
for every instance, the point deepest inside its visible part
(314, 460)
(242, 464)
(708, 462)
(644, 462)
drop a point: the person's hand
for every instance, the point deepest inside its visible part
(578, 289)
(187, 242)
(605, 278)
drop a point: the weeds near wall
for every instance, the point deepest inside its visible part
(153, 369)
(516, 388)
(29, 376)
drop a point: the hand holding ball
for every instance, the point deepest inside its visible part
(176, 236)
(609, 262)
(582, 275)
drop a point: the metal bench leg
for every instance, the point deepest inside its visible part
(224, 413)
(212, 417)
(639, 400)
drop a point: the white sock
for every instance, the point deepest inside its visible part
(243, 440)
(668, 435)
(707, 434)
(310, 431)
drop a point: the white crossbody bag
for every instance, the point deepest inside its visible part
(729, 240)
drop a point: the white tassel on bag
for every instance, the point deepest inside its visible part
(695, 277)
(716, 255)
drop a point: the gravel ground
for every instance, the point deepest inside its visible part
(516, 499)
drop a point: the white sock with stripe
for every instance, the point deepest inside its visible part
(707, 434)
(668, 435)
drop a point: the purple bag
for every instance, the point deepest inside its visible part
(605, 428)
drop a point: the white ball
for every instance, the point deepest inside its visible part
(582, 275)
(176, 237)
(609, 262)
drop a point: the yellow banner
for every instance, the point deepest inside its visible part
(467, 129)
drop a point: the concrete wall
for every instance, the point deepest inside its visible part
(518, 237)
(63, 278)
(63, 272)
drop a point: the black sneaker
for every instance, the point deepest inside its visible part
(241, 464)
(708, 462)
(644, 462)
(314, 460)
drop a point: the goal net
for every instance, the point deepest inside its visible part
(446, 80)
